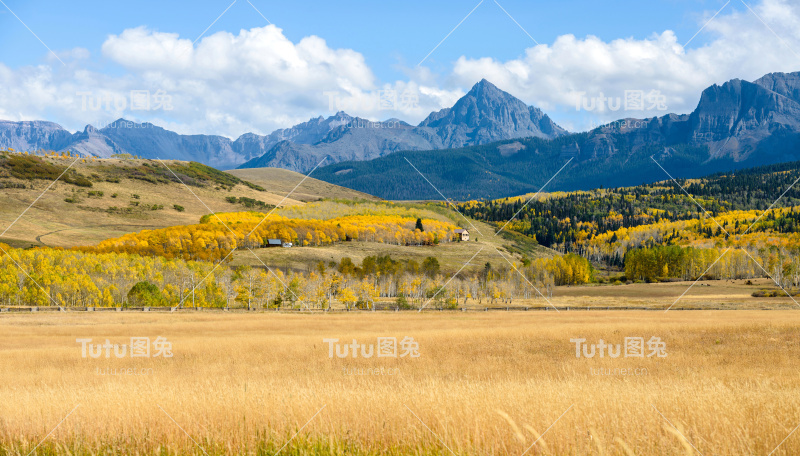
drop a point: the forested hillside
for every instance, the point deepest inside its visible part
(658, 231)
(562, 220)
(516, 167)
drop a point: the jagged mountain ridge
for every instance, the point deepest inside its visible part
(483, 115)
(731, 122)
(736, 125)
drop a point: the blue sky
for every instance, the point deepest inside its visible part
(387, 33)
(390, 38)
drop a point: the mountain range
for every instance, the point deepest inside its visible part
(736, 125)
(489, 144)
(483, 115)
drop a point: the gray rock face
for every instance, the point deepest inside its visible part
(484, 115)
(33, 135)
(733, 120)
(487, 114)
(359, 139)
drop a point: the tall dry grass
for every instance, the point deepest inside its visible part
(488, 384)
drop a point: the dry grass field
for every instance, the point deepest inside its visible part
(735, 294)
(484, 384)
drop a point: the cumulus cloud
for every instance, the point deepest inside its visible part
(562, 76)
(258, 80)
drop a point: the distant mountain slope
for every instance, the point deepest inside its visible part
(358, 139)
(282, 181)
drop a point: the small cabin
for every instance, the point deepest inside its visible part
(274, 243)
(461, 235)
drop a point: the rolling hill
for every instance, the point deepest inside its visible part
(102, 198)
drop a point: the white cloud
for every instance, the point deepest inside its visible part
(555, 77)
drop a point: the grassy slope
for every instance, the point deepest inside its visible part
(54, 222)
(283, 181)
(451, 256)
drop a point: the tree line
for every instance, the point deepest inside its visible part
(217, 235)
(58, 277)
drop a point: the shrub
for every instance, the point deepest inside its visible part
(77, 180)
(402, 303)
(96, 194)
(431, 267)
(145, 294)
(766, 294)
(178, 208)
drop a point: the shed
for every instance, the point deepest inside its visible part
(274, 243)
(461, 234)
